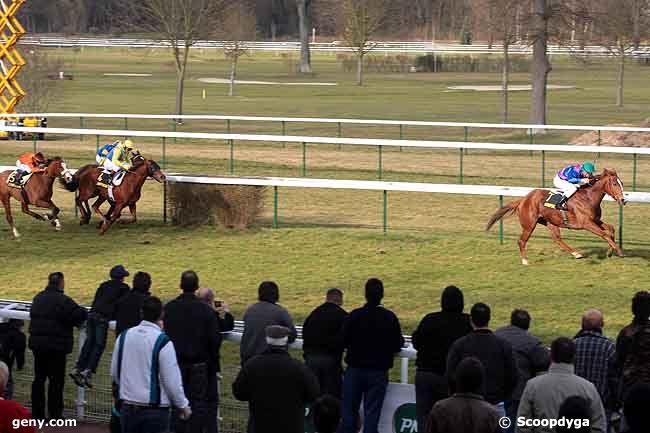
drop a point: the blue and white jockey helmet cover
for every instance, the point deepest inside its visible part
(277, 335)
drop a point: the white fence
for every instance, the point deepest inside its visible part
(341, 121)
(414, 47)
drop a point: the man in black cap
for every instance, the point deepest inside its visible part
(193, 328)
(128, 310)
(101, 312)
(276, 386)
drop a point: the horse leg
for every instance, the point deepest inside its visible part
(604, 234)
(528, 222)
(97, 211)
(25, 209)
(134, 217)
(84, 210)
(555, 235)
(53, 215)
(117, 211)
(10, 218)
(611, 231)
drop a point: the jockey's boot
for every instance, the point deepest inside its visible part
(561, 205)
(19, 177)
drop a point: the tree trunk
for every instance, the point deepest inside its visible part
(541, 67)
(636, 24)
(490, 25)
(233, 73)
(621, 77)
(304, 16)
(505, 79)
(180, 85)
(360, 68)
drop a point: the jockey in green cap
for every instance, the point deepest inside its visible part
(572, 177)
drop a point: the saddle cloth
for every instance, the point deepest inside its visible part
(105, 181)
(11, 180)
(553, 199)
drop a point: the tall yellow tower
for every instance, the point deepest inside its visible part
(10, 59)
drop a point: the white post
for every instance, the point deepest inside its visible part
(313, 35)
(404, 371)
(81, 392)
(61, 76)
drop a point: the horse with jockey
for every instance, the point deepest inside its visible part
(115, 158)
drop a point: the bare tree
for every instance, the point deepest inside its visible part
(304, 16)
(37, 78)
(362, 19)
(180, 23)
(619, 25)
(239, 26)
(541, 66)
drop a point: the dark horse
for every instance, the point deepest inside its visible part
(126, 194)
(38, 192)
(584, 213)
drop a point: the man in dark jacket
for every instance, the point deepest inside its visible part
(193, 328)
(12, 349)
(432, 339)
(633, 345)
(322, 335)
(530, 354)
(466, 411)
(276, 386)
(53, 316)
(494, 353)
(128, 310)
(372, 336)
(258, 316)
(636, 407)
(101, 312)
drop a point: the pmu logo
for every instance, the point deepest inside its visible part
(404, 419)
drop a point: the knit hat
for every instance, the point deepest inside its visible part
(277, 335)
(119, 272)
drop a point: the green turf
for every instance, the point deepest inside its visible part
(334, 238)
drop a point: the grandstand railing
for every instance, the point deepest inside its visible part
(11, 309)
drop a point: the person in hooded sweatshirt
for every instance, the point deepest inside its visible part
(432, 339)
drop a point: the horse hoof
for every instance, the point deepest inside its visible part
(15, 232)
(577, 255)
(524, 262)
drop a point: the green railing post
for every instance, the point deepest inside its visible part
(275, 207)
(543, 168)
(501, 221)
(634, 164)
(466, 138)
(600, 141)
(531, 140)
(620, 225)
(284, 132)
(339, 133)
(34, 143)
(97, 144)
(379, 162)
(401, 134)
(164, 202)
(164, 153)
(232, 156)
(304, 159)
(385, 222)
(81, 126)
(461, 174)
(126, 125)
(174, 126)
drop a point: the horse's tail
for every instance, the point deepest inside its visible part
(505, 211)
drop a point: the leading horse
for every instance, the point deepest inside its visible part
(584, 213)
(38, 192)
(125, 194)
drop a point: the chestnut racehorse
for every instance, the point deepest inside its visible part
(125, 194)
(38, 192)
(583, 213)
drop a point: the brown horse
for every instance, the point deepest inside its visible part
(38, 192)
(126, 194)
(584, 213)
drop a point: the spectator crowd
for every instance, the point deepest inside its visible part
(165, 366)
